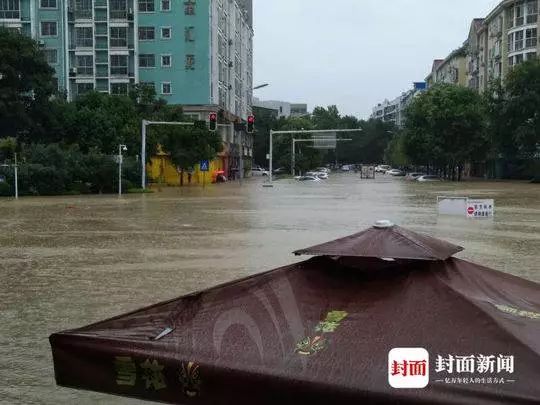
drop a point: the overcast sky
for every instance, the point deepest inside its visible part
(354, 53)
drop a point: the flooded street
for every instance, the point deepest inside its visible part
(69, 261)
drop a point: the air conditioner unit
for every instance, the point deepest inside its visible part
(72, 72)
(41, 42)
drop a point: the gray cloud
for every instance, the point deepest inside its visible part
(354, 53)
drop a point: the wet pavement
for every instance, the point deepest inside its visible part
(69, 261)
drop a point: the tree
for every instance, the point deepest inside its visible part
(26, 84)
(445, 128)
(187, 146)
(522, 112)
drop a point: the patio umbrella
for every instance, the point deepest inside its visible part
(321, 331)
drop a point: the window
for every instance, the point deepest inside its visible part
(48, 29)
(146, 6)
(83, 9)
(9, 9)
(165, 32)
(118, 9)
(518, 44)
(166, 61)
(147, 33)
(190, 62)
(51, 56)
(118, 37)
(83, 88)
(166, 88)
(47, 3)
(531, 55)
(532, 12)
(83, 37)
(189, 33)
(519, 59)
(165, 5)
(519, 15)
(530, 38)
(85, 65)
(119, 88)
(119, 65)
(147, 60)
(189, 7)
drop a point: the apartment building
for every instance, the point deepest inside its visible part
(394, 111)
(194, 52)
(283, 108)
(505, 38)
(452, 69)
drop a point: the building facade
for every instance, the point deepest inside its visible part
(452, 70)
(194, 52)
(197, 53)
(283, 108)
(394, 111)
(507, 37)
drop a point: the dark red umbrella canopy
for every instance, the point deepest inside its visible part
(385, 240)
(318, 331)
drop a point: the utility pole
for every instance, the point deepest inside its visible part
(302, 131)
(16, 170)
(120, 161)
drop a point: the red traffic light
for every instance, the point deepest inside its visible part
(250, 124)
(212, 117)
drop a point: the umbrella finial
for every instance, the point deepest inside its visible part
(383, 223)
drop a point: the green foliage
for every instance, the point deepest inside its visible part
(26, 84)
(367, 146)
(8, 146)
(187, 146)
(445, 127)
(521, 111)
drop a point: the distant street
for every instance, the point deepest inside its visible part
(70, 261)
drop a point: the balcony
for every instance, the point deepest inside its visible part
(82, 14)
(118, 14)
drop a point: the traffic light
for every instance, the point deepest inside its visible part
(250, 124)
(212, 117)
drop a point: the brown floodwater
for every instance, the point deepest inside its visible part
(69, 261)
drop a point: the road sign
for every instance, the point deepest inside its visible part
(452, 205)
(481, 208)
(205, 165)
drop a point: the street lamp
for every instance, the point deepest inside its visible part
(121, 148)
(260, 86)
(16, 170)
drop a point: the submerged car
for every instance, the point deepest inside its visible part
(259, 171)
(322, 175)
(382, 168)
(308, 178)
(413, 176)
(395, 173)
(429, 178)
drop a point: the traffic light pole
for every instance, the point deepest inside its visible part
(317, 131)
(145, 124)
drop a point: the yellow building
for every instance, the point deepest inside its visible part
(451, 70)
(160, 170)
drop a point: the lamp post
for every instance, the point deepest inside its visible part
(260, 86)
(16, 172)
(121, 148)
